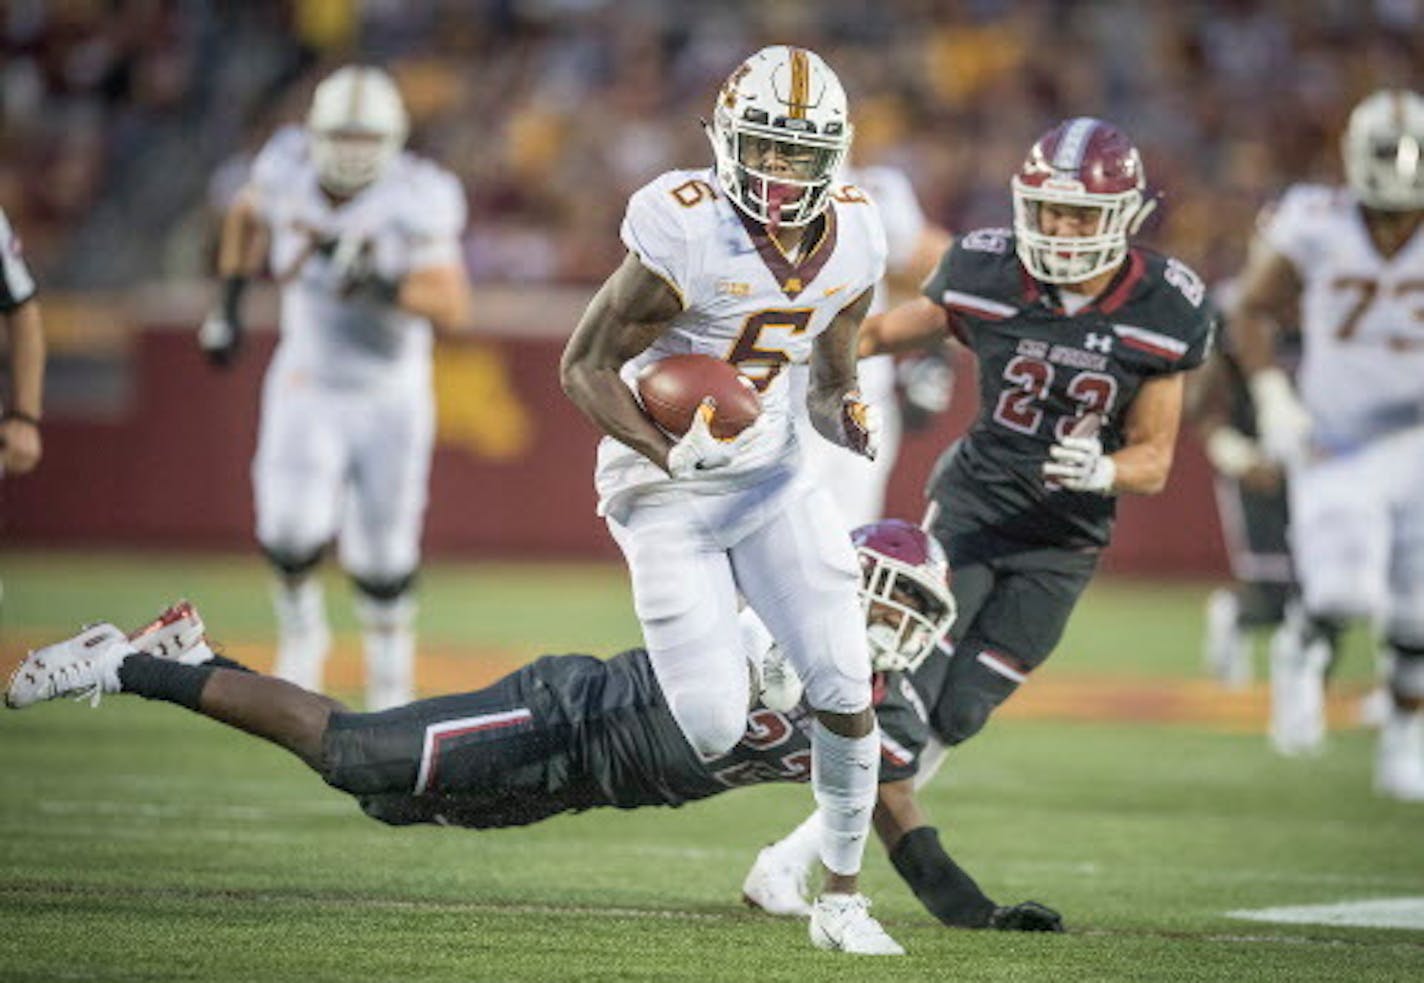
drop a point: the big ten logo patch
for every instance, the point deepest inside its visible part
(478, 409)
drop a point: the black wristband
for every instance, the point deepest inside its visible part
(942, 886)
(233, 288)
(33, 421)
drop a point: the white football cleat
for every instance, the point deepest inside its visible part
(842, 922)
(176, 634)
(1399, 763)
(775, 886)
(1297, 696)
(86, 665)
(1226, 649)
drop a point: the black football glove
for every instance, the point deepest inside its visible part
(220, 335)
(1026, 916)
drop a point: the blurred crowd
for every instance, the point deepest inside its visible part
(126, 125)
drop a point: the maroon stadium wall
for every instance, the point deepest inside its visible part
(512, 475)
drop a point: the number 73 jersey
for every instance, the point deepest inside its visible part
(743, 300)
(1041, 368)
(1361, 318)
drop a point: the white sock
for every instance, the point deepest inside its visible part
(844, 775)
(801, 847)
(303, 637)
(389, 643)
(198, 654)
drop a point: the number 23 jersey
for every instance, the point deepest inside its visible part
(1040, 368)
(743, 300)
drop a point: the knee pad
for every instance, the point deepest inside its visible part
(972, 692)
(292, 561)
(384, 588)
(711, 726)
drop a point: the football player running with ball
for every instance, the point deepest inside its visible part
(363, 240)
(763, 260)
(564, 733)
(1082, 341)
(1352, 261)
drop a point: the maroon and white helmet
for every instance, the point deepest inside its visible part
(1081, 163)
(904, 591)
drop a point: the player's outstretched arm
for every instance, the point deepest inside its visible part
(943, 887)
(912, 324)
(630, 311)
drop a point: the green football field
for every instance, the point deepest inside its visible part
(139, 842)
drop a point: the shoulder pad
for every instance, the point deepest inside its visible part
(665, 216)
(1170, 313)
(983, 262)
(435, 204)
(284, 150)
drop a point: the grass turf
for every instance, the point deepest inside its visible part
(141, 842)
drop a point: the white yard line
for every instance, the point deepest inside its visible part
(1406, 913)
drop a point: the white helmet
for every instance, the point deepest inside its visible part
(1384, 150)
(784, 107)
(358, 125)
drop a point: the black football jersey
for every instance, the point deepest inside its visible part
(1041, 368)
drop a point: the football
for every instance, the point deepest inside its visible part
(672, 388)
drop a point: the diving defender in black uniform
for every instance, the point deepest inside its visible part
(564, 733)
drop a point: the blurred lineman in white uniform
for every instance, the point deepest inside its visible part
(20, 445)
(914, 245)
(363, 240)
(766, 260)
(1353, 434)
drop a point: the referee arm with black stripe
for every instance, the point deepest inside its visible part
(20, 444)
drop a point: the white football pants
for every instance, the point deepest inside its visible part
(783, 545)
(351, 461)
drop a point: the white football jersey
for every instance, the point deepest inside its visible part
(411, 217)
(743, 301)
(1362, 318)
(903, 221)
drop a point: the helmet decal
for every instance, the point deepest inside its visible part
(780, 132)
(1069, 154)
